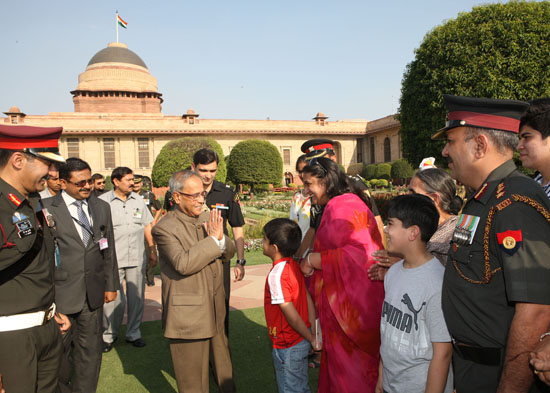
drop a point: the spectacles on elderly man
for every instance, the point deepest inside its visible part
(194, 197)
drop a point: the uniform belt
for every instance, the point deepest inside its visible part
(481, 355)
(28, 320)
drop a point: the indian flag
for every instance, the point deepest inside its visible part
(121, 21)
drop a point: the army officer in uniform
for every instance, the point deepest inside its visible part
(495, 290)
(30, 339)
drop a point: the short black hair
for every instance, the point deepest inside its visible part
(300, 159)
(538, 116)
(97, 176)
(205, 156)
(415, 209)
(70, 165)
(120, 171)
(5, 155)
(285, 233)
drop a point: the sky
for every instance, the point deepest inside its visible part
(226, 59)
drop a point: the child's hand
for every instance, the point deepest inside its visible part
(317, 346)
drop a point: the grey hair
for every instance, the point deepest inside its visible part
(503, 140)
(178, 179)
(437, 181)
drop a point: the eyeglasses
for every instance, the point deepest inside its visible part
(194, 197)
(100, 182)
(315, 161)
(82, 183)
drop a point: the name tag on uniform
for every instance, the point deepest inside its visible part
(103, 243)
(138, 213)
(24, 228)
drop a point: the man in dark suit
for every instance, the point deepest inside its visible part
(86, 273)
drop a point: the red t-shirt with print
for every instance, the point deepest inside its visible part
(285, 283)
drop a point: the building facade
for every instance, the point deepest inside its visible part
(118, 121)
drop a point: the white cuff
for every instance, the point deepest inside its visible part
(220, 243)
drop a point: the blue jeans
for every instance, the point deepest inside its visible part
(291, 368)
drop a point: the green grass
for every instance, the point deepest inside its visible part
(149, 369)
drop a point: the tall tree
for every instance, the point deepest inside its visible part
(496, 51)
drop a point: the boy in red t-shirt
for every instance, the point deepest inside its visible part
(289, 310)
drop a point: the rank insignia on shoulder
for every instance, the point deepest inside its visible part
(14, 199)
(510, 241)
(481, 191)
(504, 204)
(500, 190)
(236, 198)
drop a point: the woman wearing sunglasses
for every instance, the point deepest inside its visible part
(348, 304)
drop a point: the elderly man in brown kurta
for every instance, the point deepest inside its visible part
(192, 248)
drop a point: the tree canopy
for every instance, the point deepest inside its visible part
(496, 51)
(255, 162)
(178, 154)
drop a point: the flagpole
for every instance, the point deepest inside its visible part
(116, 23)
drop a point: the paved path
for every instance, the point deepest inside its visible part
(248, 293)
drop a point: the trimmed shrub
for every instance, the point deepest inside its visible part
(401, 169)
(355, 169)
(383, 171)
(369, 172)
(178, 155)
(255, 162)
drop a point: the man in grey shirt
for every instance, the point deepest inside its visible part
(131, 223)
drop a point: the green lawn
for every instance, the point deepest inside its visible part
(149, 369)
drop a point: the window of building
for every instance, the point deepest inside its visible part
(143, 152)
(372, 156)
(387, 150)
(13, 119)
(109, 153)
(73, 148)
(286, 155)
(359, 150)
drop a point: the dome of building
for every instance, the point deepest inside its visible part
(116, 80)
(117, 53)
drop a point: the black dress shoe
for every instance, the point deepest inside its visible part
(108, 346)
(138, 343)
(151, 283)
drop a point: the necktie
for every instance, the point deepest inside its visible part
(84, 223)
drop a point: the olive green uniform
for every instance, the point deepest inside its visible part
(507, 262)
(29, 358)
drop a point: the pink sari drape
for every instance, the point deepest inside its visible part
(347, 302)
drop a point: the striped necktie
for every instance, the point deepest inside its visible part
(84, 223)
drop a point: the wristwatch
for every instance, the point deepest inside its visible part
(241, 262)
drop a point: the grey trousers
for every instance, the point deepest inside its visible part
(113, 312)
(83, 348)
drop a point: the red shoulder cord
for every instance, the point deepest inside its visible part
(6, 243)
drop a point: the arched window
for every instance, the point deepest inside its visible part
(387, 150)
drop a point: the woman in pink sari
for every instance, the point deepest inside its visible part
(348, 304)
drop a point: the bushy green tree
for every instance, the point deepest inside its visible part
(496, 51)
(178, 154)
(255, 162)
(401, 169)
(370, 171)
(383, 171)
